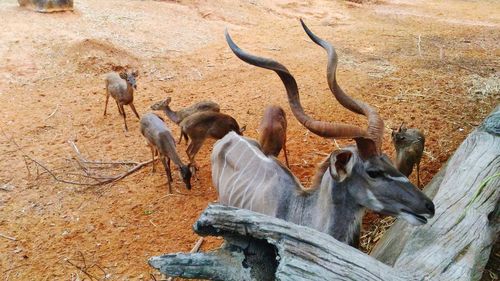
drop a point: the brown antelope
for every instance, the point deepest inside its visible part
(348, 181)
(178, 116)
(273, 132)
(206, 124)
(121, 88)
(409, 145)
(160, 140)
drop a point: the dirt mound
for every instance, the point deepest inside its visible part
(95, 56)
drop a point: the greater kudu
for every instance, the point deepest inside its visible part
(348, 181)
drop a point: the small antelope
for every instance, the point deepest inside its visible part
(160, 140)
(202, 125)
(350, 179)
(409, 145)
(178, 116)
(273, 132)
(121, 88)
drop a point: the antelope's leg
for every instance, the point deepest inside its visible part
(135, 111)
(120, 110)
(124, 117)
(107, 99)
(167, 172)
(195, 147)
(180, 138)
(153, 152)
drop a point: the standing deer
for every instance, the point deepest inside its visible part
(121, 88)
(409, 145)
(178, 116)
(160, 140)
(205, 124)
(348, 181)
(273, 132)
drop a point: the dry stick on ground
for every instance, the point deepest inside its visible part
(8, 237)
(53, 112)
(85, 268)
(84, 160)
(107, 179)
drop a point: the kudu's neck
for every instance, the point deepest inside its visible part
(335, 211)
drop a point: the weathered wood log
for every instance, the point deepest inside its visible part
(456, 244)
(298, 252)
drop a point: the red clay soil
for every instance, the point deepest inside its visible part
(432, 65)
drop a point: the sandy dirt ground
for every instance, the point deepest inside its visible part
(431, 64)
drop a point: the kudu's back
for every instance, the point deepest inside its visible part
(245, 178)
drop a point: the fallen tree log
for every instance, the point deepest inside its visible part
(259, 247)
(454, 245)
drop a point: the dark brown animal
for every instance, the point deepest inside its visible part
(178, 116)
(409, 144)
(121, 88)
(206, 124)
(273, 132)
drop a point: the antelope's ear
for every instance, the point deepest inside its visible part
(123, 75)
(341, 164)
(135, 73)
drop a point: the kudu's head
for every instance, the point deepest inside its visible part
(130, 78)
(161, 105)
(368, 174)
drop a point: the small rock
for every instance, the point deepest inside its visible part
(89, 228)
(7, 187)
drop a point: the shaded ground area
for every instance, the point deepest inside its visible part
(431, 65)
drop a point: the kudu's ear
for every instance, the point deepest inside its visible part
(123, 75)
(135, 73)
(341, 164)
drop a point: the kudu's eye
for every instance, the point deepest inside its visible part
(375, 174)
